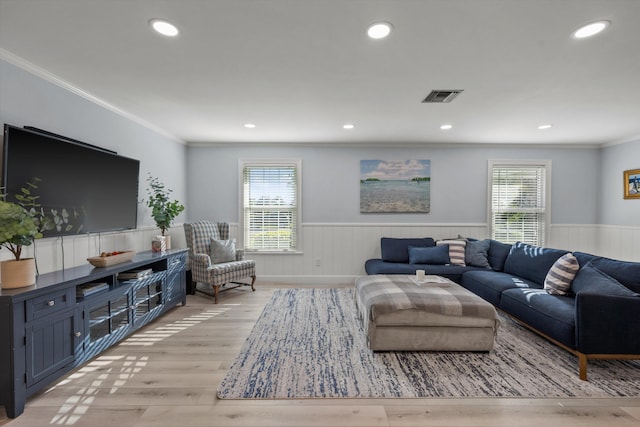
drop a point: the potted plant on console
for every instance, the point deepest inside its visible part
(163, 210)
(20, 225)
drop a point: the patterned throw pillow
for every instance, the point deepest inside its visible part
(223, 250)
(561, 274)
(456, 250)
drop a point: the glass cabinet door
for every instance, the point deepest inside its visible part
(148, 296)
(108, 317)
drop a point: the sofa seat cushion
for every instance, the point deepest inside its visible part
(490, 284)
(451, 272)
(550, 314)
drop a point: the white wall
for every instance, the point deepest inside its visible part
(337, 239)
(619, 218)
(330, 178)
(588, 212)
(613, 208)
(29, 100)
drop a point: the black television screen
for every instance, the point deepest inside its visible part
(82, 188)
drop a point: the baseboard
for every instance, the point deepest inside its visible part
(308, 279)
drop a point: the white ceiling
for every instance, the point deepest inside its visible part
(300, 69)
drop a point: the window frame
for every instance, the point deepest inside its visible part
(280, 162)
(544, 164)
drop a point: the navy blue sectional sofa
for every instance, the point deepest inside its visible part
(598, 318)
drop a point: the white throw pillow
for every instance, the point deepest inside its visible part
(223, 250)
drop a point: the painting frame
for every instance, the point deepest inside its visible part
(631, 183)
(395, 186)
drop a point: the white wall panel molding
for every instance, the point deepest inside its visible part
(619, 242)
(331, 253)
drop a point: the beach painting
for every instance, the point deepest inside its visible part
(395, 186)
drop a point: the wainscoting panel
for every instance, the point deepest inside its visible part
(56, 253)
(336, 253)
(331, 253)
(619, 242)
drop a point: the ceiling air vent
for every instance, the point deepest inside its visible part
(442, 95)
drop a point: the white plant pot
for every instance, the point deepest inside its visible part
(159, 244)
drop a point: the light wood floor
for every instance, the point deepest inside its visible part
(167, 375)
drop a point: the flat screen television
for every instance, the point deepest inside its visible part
(82, 188)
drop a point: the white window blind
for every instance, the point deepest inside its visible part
(518, 203)
(270, 206)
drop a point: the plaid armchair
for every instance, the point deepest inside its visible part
(203, 270)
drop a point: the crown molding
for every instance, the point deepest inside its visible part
(52, 78)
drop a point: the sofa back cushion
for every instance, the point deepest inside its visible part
(497, 254)
(592, 279)
(583, 257)
(625, 272)
(531, 262)
(435, 255)
(394, 249)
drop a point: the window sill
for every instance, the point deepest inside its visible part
(250, 252)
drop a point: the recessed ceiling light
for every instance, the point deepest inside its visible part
(163, 27)
(545, 126)
(446, 127)
(249, 125)
(348, 126)
(590, 29)
(379, 30)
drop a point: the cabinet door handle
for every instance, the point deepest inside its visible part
(78, 334)
(51, 303)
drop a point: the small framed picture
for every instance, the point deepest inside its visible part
(631, 181)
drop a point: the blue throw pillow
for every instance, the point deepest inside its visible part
(397, 249)
(476, 253)
(531, 262)
(436, 255)
(590, 278)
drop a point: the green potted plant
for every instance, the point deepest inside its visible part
(20, 225)
(163, 210)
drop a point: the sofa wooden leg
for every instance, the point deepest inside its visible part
(582, 366)
(216, 290)
(253, 280)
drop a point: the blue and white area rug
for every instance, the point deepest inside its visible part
(308, 343)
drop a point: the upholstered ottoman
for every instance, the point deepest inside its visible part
(401, 314)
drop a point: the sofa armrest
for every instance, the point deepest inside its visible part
(607, 324)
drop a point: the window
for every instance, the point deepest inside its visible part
(270, 197)
(518, 204)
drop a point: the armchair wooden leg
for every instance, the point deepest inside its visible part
(253, 280)
(215, 294)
